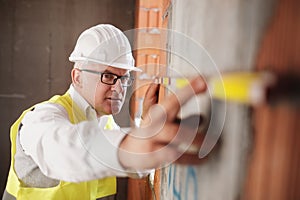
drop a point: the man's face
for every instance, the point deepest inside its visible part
(106, 99)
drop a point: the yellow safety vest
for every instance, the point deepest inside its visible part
(64, 190)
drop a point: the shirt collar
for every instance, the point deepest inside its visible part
(88, 110)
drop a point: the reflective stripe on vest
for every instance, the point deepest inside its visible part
(64, 190)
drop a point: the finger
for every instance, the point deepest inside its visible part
(152, 92)
(190, 159)
(191, 147)
(167, 134)
(151, 98)
(188, 141)
(165, 155)
(174, 101)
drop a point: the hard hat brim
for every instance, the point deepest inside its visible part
(111, 64)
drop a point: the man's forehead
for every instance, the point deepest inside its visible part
(102, 68)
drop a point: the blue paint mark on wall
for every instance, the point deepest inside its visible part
(191, 181)
(188, 183)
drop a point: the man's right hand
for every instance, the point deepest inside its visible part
(162, 140)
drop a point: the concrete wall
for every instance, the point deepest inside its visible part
(35, 42)
(217, 36)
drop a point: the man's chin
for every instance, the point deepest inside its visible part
(114, 110)
(109, 111)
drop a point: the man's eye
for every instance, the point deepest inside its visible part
(125, 78)
(109, 76)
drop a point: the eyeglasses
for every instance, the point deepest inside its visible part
(110, 78)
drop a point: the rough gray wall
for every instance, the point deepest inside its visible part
(217, 36)
(35, 41)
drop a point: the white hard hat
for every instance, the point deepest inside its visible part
(104, 44)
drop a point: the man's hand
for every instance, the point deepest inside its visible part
(162, 140)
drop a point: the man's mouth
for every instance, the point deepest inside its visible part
(114, 99)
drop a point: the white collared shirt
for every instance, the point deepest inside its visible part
(71, 152)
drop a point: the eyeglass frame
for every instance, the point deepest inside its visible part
(114, 80)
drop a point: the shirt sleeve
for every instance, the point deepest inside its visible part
(70, 152)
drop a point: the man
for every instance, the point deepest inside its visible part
(69, 147)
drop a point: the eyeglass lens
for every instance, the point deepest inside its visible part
(111, 79)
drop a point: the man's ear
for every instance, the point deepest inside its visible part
(76, 78)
